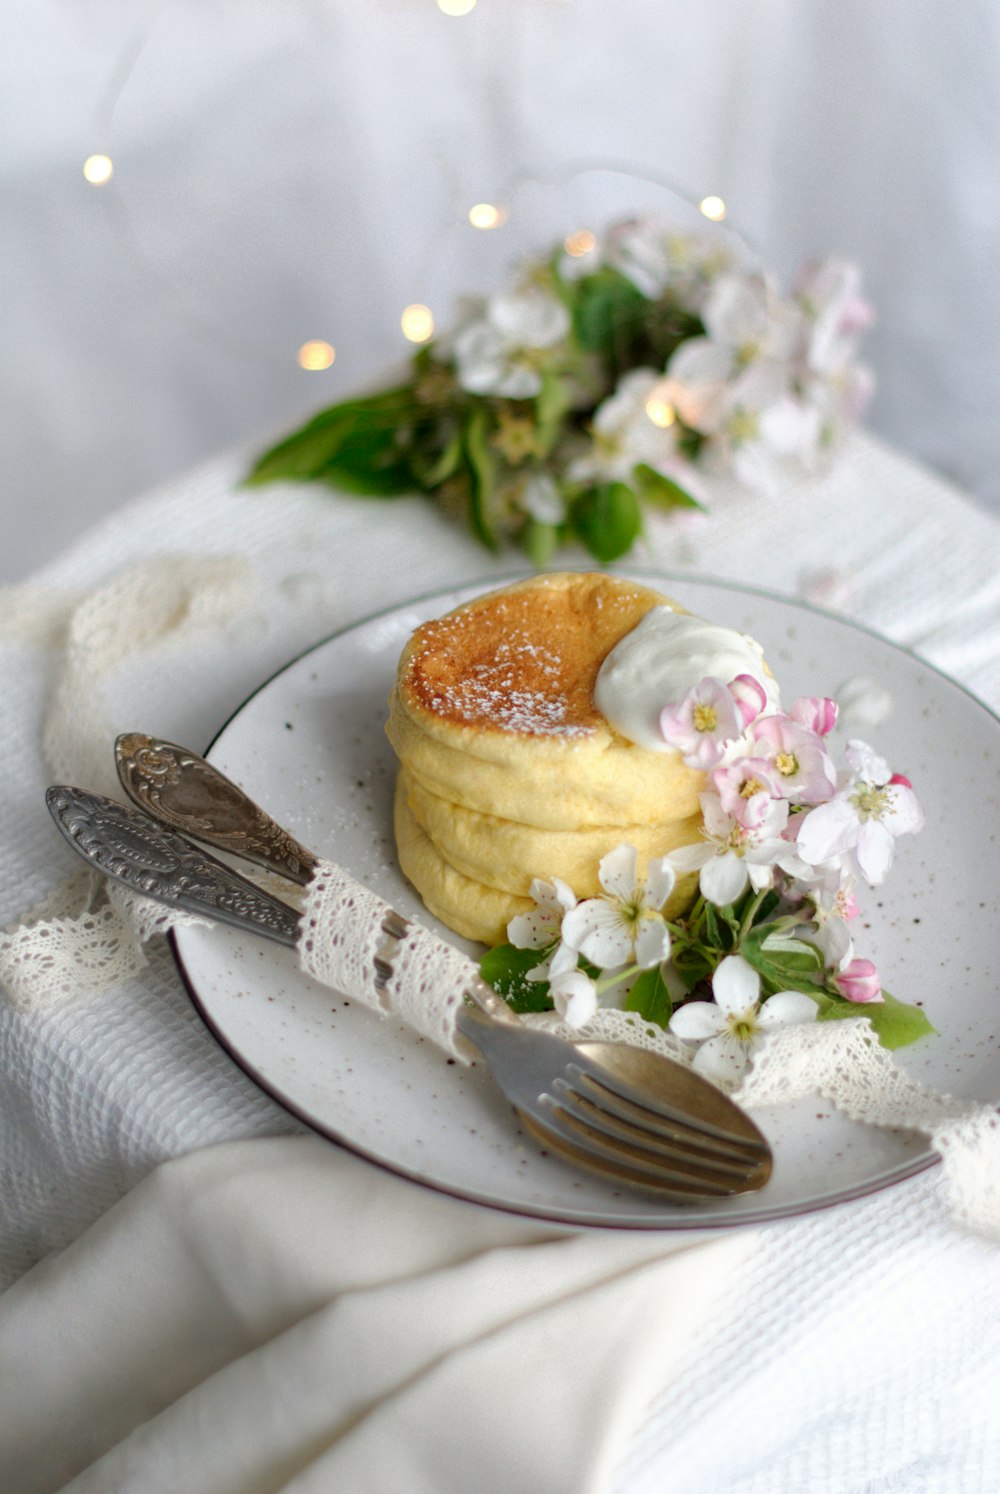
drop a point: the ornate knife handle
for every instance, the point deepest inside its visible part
(132, 849)
(182, 790)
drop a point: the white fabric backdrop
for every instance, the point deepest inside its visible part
(304, 170)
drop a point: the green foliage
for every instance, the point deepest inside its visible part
(650, 998)
(607, 519)
(506, 970)
(359, 446)
(608, 314)
(896, 1023)
(661, 491)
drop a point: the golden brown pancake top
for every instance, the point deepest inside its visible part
(525, 659)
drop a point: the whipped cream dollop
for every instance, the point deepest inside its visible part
(659, 661)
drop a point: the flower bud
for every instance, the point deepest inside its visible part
(749, 696)
(816, 712)
(902, 779)
(859, 981)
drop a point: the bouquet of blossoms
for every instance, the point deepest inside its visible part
(617, 372)
(787, 838)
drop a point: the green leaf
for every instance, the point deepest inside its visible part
(796, 966)
(539, 541)
(608, 520)
(662, 491)
(506, 969)
(483, 469)
(355, 445)
(650, 998)
(608, 311)
(551, 405)
(896, 1023)
(446, 463)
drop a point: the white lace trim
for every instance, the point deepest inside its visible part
(846, 1064)
(342, 940)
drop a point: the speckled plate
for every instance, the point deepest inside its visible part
(310, 746)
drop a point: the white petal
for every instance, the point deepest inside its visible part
(574, 996)
(696, 1020)
(691, 858)
(788, 1009)
(515, 382)
(735, 985)
(867, 763)
(904, 815)
(722, 1059)
(564, 959)
(652, 943)
(828, 830)
(616, 872)
(660, 880)
(735, 311)
(874, 852)
(596, 930)
(532, 930)
(723, 878)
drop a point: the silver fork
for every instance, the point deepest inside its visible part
(611, 1107)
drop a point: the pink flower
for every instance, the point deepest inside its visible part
(746, 788)
(816, 713)
(806, 771)
(749, 696)
(865, 818)
(701, 724)
(859, 981)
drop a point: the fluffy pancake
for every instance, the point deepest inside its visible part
(469, 907)
(493, 709)
(508, 855)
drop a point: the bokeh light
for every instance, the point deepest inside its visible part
(98, 170)
(580, 243)
(417, 323)
(316, 355)
(714, 208)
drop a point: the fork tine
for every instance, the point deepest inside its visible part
(653, 1112)
(657, 1118)
(623, 1164)
(675, 1148)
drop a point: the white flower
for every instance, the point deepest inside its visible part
(864, 818)
(497, 354)
(836, 312)
(541, 498)
(626, 925)
(541, 926)
(732, 1027)
(745, 324)
(640, 250)
(574, 996)
(624, 434)
(730, 855)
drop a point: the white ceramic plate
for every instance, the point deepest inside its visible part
(309, 745)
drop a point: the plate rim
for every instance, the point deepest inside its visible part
(900, 1173)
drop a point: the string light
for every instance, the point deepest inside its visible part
(485, 215)
(580, 243)
(456, 7)
(417, 323)
(660, 411)
(316, 355)
(714, 208)
(98, 170)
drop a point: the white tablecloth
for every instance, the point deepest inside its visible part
(853, 1350)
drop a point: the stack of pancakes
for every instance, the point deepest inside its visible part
(507, 769)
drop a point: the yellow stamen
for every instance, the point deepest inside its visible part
(750, 787)
(786, 763)
(705, 718)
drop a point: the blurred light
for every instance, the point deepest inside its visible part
(98, 170)
(660, 412)
(316, 355)
(456, 7)
(714, 208)
(580, 243)
(417, 323)
(485, 215)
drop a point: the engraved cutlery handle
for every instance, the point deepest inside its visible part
(130, 848)
(182, 790)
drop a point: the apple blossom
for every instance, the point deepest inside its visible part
(816, 713)
(702, 722)
(733, 1026)
(497, 354)
(729, 855)
(749, 695)
(746, 788)
(574, 996)
(804, 767)
(859, 981)
(864, 818)
(625, 925)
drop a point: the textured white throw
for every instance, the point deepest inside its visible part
(852, 1350)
